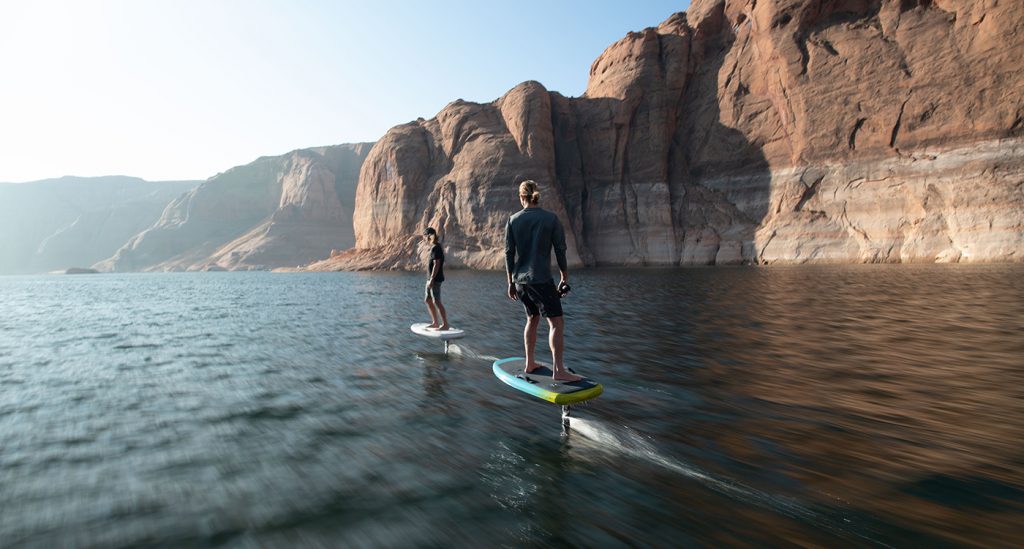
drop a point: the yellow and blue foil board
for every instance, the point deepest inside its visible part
(539, 383)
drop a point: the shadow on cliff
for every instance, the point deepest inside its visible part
(659, 177)
(723, 174)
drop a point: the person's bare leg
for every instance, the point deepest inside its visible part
(556, 339)
(444, 316)
(433, 313)
(530, 342)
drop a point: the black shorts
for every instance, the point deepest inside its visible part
(433, 293)
(540, 299)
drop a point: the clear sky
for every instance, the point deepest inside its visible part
(183, 89)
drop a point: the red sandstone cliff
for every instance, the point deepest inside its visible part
(741, 131)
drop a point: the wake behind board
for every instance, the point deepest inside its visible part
(539, 383)
(451, 333)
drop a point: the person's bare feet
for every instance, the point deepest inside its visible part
(444, 327)
(531, 368)
(431, 326)
(565, 375)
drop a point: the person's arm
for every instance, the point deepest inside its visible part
(558, 242)
(510, 260)
(438, 256)
(437, 269)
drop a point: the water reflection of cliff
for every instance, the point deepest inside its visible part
(897, 393)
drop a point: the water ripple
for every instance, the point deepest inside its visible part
(815, 406)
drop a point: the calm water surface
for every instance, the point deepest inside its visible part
(835, 406)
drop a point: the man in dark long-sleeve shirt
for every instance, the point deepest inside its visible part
(530, 235)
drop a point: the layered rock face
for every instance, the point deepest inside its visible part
(452, 172)
(742, 131)
(275, 212)
(75, 221)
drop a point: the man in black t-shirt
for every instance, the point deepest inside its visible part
(435, 276)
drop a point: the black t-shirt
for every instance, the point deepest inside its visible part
(436, 254)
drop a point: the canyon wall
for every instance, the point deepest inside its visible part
(741, 131)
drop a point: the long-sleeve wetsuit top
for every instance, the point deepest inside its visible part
(530, 236)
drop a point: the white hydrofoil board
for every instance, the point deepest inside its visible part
(451, 333)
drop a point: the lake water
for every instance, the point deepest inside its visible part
(836, 406)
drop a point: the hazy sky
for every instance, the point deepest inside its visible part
(183, 89)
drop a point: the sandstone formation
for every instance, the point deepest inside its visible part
(742, 131)
(53, 224)
(278, 211)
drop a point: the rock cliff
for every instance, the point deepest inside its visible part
(278, 211)
(741, 131)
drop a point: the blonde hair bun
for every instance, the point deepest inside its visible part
(530, 190)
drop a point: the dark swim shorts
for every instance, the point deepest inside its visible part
(540, 299)
(433, 293)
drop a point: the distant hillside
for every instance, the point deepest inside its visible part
(277, 211)
(55, 224)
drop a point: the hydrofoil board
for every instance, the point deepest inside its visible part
(444, 335)
(539, 383)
